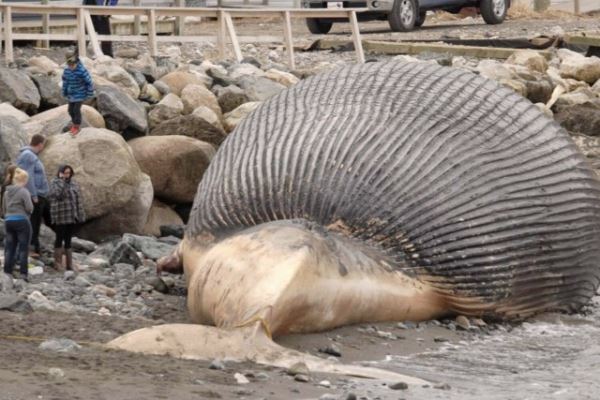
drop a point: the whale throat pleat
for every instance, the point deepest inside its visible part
(464, 183)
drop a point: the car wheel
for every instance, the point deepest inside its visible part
(493, 11)
(318, 26)
(421, 19)
(403, 16)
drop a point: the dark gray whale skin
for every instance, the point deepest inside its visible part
(461, 182)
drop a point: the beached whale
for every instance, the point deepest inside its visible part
(383, 192)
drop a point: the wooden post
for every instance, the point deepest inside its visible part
(180, 21)
(1, 28)
(289, 44)
(89, 25)
(8, 42)
(152, 32)
(221, 34)
(45, 26)
(360, 55)
(81, 33)
(233, 36)
(577, 7)
(137, 20)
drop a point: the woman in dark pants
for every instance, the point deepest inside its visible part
(17, 207)
(66, 211)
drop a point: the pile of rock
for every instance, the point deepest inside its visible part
(149, 134)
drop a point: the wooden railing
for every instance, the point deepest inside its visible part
(224, 17)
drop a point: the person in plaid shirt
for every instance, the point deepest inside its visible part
(66, 211)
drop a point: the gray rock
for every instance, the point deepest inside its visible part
(6, 282)
(190, 125)
(19, 90)
(127, 52)
(328, 396)
(331, 349)
(220, 76)
(121, 113)
(463, 322)
(230, 98)
(125, 253)
(259, 88)
(217, 364)
(14, 304)
(398, 386)
(50, 91)
(61, 345)
(81, 245)
(12, 138)
(298, 368)
(350, 396)
(56, 373)
(162, 87)
(150, 247)
(172, 230)
(138, 77)
(82, 282)
(301, 378)
(579, 118)
(158, 284)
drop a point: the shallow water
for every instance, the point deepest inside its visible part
(551, 357)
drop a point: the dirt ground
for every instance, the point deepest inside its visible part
(94, 373)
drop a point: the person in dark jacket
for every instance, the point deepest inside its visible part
(17, 206)
(102, 23)
(77, 86)
(37, 186)
(66, 210)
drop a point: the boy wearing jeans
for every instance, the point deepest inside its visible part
(77, 87)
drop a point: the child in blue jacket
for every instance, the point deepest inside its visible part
(77, 87)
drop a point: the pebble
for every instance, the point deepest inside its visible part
(301, 378)
(325, 384)
(331, 349)
(298, 368)
(398, 386)
(351, 396)
(463, 322)
(240, 378)
(328, 396)
(216, 364)
(56, 373)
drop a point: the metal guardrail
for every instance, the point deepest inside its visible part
(223, 15)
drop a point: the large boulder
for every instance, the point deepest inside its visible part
(193, 126)
(233, 118)
(160, 214)
(194, 96)
(174, 163)
(56, 120)
(178, 80)
(42, 65)
(120, 77)
(19, 90)
(7, 110)
(168, 108)
(12, 138)
(50, 89)
(117, 195)
(121, 113)
(259, 88)
(577, 66)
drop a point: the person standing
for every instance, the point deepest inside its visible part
(17, 207)
(77, 86)
(66, 210)
(37, 186)
(102, 23)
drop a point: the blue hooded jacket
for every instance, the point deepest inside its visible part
(77, 84)
(37, 185)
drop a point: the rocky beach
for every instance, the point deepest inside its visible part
(148, 136)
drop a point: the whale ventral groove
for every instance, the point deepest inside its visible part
(444, 175)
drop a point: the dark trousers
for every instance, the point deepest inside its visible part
(64, 234)
(102, 26)
(41, 211)
(75, 112)
(18, 234)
